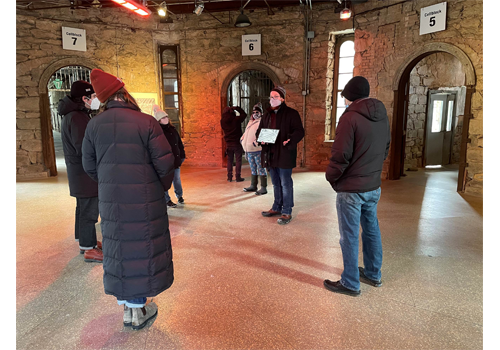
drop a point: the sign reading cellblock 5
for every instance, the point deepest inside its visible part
(251, 45)
(74, 39)
(433, 18)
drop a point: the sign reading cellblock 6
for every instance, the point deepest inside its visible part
(433, 18)
(74, 39)
(251, 45)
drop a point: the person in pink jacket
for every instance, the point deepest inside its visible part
(252, 152)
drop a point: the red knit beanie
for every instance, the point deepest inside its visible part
(104, 84)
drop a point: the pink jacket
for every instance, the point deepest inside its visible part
(249, 140)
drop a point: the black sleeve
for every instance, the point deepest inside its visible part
(79, 122)
(297, 130)
(161, 154)
(342, 150)
(89, 158)
(242, 116)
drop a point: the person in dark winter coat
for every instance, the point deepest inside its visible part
(75, 110)
(361, 145)
(126, 152)
(175, 141)
(281, 157)
(231, 120)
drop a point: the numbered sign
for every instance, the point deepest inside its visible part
(251, 44)
(433, 18)
(74, 39)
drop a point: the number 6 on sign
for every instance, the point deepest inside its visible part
(251, 45)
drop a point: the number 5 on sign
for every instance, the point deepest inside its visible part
(251, 44)
(433, 18)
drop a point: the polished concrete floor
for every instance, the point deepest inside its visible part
(244, 282)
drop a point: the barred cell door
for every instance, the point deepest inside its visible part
(60, 85)
(247, 89)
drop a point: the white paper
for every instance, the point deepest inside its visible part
(268, 135)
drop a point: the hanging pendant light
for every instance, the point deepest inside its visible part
(345, 14)
(242, 21)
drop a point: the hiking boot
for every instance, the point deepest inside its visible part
(99, 245)
(284, 219)
(93, 255)
(253, 184)
(270, 213)
(364, 279)
(127, 316)
(263, 186)
(229, 178)
(239, 179)
(141, 315)
(171, 204)
(337, 287)
(180, 200)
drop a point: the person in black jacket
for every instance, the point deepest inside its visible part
(361, 145)
(231, 120)
(174, 139)
(281, 157)
(126, 152)
(75, 110)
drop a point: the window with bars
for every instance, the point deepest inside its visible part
(170, 84)
(343, 72)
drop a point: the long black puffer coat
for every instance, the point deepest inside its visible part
(126, 152)
(73, 125)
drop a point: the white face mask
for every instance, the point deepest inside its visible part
(256, 115)
(275, 103)
(95, 104)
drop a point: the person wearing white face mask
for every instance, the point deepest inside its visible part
(281, 157)
(253, 151)
(75, 109)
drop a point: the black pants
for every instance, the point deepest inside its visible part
(234, 151)
(86, 215)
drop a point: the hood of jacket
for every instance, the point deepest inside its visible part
(67, 105)
(370, 108)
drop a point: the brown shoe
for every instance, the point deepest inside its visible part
(270, 213)
(93, 255)
(284, 219)
(99, 245)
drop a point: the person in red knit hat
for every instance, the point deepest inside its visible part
(126, 153)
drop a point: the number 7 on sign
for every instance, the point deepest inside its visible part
(74, 40)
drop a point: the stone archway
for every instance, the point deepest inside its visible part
(400, 88)
(48, 151)
(228, 73)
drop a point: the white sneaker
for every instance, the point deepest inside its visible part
(127, 316)
(140, 316)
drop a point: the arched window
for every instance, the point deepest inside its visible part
(343, 71)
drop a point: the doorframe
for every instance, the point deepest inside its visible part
(229, 76)
(398, 132)
(48, 151)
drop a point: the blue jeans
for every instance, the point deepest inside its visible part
(177, 183)
(353, 209)
(283, 190)
(137, 302)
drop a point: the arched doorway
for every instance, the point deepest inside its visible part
(244, 86)
(401, 88)
(51, 80)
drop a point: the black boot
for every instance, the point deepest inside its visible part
(263, 185)
(253, 184)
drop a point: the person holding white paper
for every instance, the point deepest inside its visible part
(281, 157)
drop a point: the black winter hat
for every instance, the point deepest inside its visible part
(81, 88)
(356, 88)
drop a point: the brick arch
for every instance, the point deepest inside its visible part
(399, 86)
(228, 73)
(49, 156)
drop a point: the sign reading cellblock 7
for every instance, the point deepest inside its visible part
(251, 45)
(433, 18)
(74, 39)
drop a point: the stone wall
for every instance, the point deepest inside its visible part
(437, 71)
(117, 42)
